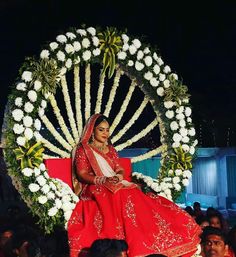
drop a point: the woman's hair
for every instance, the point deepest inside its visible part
(101, 119)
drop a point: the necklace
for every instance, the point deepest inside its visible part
(100, 148)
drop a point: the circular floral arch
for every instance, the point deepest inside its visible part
(50, 199)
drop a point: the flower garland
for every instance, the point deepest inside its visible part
(51, 199)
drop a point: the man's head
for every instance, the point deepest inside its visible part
(214, 242)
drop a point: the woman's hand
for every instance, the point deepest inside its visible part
(113, 180)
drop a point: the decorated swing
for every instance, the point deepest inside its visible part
(66, 71)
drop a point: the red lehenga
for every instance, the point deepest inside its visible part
(149, 224)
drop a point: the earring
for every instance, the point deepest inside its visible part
(92, 137)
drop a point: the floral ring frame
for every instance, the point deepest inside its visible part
(52, 200)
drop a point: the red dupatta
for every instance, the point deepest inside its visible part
(84, 142)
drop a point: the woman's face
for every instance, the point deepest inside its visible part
(101, 132)
(215, 222)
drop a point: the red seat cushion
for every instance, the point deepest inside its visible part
(62, 168)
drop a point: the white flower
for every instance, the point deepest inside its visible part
(146, 50)
(182, 123)
(70, 35)
(176, 144)
(21, 141)
(185, 147)
(85, 43)
(44, 104)
(176, 180)
(178, 172)
(121, 55)
(21, 86)
(69, 48)
(159, 61)
(37, 136)
(44, 54)
(82, 32)
(160, 91)
(125, 38)
(27, 76)
(41, 112)
(86, 55)
(154, 82)
(180, 116)
(195, 142)
(170, 172)
(162, 77)
(166, 83)
(125, 47)
(66, 206)
(68, 63)
(96, 52)
(28, 107)
(155, 56)
(140, 55)
(27, 121)
(18, 102)
(168, 104)
(192, 150)
(41, 180)
(183, 132)
(192, 132)
(188, 111)
(174, 125)
(53, 45)
(174, 76)
(77, 46)
(52, 212)
(27, 172)
(42, 166)
(139, 66)
(50, 195)
(169, 114)
(32, 95)
(37, 85)
(28, 133)
(92, 31)
(148, 75)
(77, 60)
(95, 41)
(166, 69)
(45, 189)
(58, 203)
(132, 49)
(180, 109)
(46, 174)
(187, 174)
(185, 182)
(17, 114)
(33, 187)
(52, 185)
(61, 56)
(36, 171)
(189, 120)
(18, 128)
(42, 199)
(67, 215)
(61, 39)
(136, 43)
(185, 139)
(130, 63)
(37, 124)
(177, 137)
(148, 60)
(177, 187)
(156, 69)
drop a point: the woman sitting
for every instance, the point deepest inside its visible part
(111, 207)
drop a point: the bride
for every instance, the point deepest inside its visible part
(111, 207)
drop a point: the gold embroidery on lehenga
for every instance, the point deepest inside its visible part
(75, 247)
(130, 211)
(120, 234)
(77, 219)
(165, 237)
(98, 222)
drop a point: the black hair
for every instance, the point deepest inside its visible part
(207, 231)
(217, 215)
(101, 119)
(200, 219)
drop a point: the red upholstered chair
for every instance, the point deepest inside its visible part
(62, 168)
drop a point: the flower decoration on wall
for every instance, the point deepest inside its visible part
(51, 199)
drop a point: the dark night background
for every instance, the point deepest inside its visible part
(196, 39)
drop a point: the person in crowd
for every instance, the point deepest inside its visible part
(232, 239)
(197, 212)
(202, 221)
(5, 241)
(189, 210)
(108, 248)
(111, 207)
(214, 242)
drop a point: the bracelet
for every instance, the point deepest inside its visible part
(120, 176)
(99, 180)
